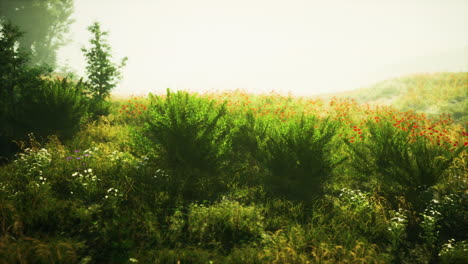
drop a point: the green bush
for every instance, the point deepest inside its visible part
(54, 108)
(247, 135)
(300, 158)
(98, 108)
(192, 140)
(404, 165)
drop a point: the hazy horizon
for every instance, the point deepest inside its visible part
(306, 47)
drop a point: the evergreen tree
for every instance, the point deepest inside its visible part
(16, 77)
(16, 80)
(103, 74)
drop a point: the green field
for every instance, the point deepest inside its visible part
(366, 177)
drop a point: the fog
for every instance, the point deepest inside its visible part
(305, 47)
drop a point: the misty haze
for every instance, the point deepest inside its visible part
(213, 131)
(306, 47)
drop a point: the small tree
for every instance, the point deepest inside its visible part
(103, 75)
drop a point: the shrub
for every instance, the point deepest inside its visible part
(247, 135)
(403, 164)
(98, 108)
(56, 107)
(299, 157)
(190, 134)
(453, 198)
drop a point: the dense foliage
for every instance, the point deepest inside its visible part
(33, 100)
(16, 79)
(56, 107)
(237, 178)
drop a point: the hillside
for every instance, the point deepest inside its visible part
(433, 93)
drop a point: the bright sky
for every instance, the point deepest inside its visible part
(303, 46)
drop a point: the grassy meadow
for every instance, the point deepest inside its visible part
(231, 177)
(431, 93)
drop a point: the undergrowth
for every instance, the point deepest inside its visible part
(237, 178)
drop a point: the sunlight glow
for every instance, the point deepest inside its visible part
(306, 47)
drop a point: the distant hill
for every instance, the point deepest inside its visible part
(432, 93)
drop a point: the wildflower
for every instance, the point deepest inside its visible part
(69, 158)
